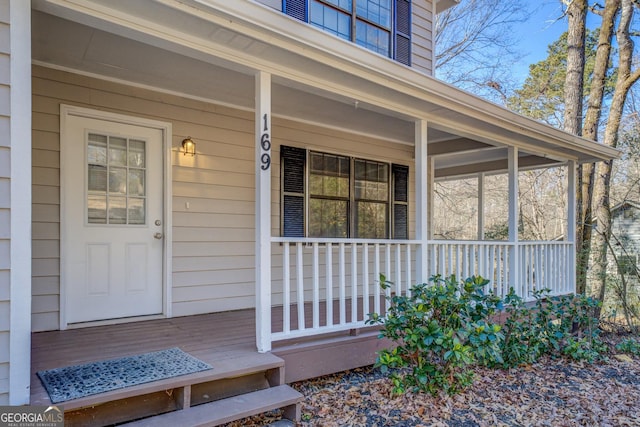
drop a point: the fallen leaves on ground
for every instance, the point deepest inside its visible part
(549, 393)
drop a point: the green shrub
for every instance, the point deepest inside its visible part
(555, 326)
(440, 329)
(629, 346)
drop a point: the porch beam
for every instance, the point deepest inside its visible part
(422, 197)
(513, 219)
(571, 223)
(263, 210)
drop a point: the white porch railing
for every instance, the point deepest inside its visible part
(545, 265)
(320, 286)
(329, 285)
(540, 265)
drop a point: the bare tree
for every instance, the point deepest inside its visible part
(475, 46)
(627, 76)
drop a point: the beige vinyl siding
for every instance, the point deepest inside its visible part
(212, 238)
(213, 193)
(276, 4)
(422, 36)
(5, 201)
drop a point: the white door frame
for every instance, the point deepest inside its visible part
(165, 127)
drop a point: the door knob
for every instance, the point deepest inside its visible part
(158, 235)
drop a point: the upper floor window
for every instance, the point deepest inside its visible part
(379, 25)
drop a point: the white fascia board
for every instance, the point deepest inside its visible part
(261, 23)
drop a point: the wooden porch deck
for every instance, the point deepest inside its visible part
(217, 339)
(225, 340)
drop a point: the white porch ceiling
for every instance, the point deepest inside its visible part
(215, 67)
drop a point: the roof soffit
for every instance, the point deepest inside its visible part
(249, 36)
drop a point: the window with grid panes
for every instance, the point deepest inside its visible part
(383, 26)
(334, 196)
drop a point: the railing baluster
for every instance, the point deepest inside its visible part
(329, 282)
(387, 271)
(286, 289)
(492, 269)
(458, 264)
(354, 282)
(376, 273)
(365, 280)
(300, 284)
(548, 276)
(316, 286)
(408, 263)
(398, 278)
(343, 314)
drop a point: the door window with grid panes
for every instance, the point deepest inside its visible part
(116, 175)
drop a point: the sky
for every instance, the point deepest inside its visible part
(537, 33)
(543, 27)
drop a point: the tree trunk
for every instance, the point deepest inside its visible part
(625, 79)
(574, 81)
(586, 172)
(573, 95)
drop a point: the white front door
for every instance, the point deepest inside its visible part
(112, 246)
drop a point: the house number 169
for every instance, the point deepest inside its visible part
(265, 143)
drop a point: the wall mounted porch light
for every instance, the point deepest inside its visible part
(189, 146)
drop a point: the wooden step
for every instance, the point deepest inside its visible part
(243, 364)
(230, 409)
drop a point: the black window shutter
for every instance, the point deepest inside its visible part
(400, 201)
(292, 161)
(295, 8)
(402, 33)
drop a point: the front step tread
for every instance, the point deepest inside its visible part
(230, 409)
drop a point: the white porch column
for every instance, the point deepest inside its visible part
(571, 224)
(422, 197)
(15, 131)
(514, 274)
(263, 210)
(481, 206)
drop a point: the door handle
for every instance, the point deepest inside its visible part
(157, 236)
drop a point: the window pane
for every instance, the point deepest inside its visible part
(345, 4)
(117, 210)
(117, 151)
(371, 222)
(97, 209)
(136, 182)
(373, 38)
(328, 218)
(372, 191)
(136, 154)
(97, 178)
(329, 186)
(331, 20)
(377, 11)
(97, 149)
(329, 175)
(136, 211)
(371, 180)
(118, 180)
